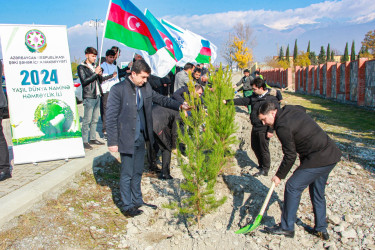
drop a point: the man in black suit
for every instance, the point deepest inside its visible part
(165, 133)
(129, 125)
(5, 172)
(300, 134)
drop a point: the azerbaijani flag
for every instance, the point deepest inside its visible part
(171, 44)
(127, 25)
(204, 55)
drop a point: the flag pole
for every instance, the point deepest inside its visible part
(105, 26)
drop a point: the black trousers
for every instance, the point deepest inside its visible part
(131, 174)
(4, 153)
(165, 156)
(259, 144)
(103, 107)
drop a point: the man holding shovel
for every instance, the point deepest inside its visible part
(300, 134)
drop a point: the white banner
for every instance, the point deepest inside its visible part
(42, 107)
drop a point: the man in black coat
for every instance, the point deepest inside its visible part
(5, 172)
(165, 134)
(260, 134)
(129, 125)
(300, 134)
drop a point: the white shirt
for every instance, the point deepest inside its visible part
(109, 69)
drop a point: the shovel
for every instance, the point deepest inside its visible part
(256, 223)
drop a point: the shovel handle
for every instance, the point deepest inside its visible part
(268, 197)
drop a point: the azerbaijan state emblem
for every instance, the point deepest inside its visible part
(35, 41)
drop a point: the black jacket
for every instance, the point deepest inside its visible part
(179, 94)
(89, 81)
(122, 113)
(255, 101)
(300, 134)
(165, 125)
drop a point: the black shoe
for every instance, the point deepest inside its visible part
(261, 172)
(147, 205)
(5, 175)
(87, 146)
(105, 136)
(133, 212)
(154, 168)
(322, 235)
(279, 231)
(96, 142)
(165, 177)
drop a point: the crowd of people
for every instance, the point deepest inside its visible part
(139, 109)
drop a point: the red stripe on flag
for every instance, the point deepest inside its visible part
(168, 42)
(130, 22)
(205, 51)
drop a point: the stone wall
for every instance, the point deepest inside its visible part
(352, 82)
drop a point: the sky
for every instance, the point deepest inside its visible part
(274, 23)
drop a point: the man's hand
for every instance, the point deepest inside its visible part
(225, 101)
(98, 70)
(113, 149)
(276, 180)
(269, 135)
(114, 74)
(185, 106)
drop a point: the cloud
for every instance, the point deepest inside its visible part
(345, 10)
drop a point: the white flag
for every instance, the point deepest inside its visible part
(189, 42)
(161, 62)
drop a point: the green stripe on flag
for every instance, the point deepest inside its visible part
(202, 59)
(129, 38)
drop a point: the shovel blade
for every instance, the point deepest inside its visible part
(250, 227)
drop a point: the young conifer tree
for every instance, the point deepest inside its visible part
(220, 116)
(204, 158)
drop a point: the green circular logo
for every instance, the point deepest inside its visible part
(53, 117)
(35, 41)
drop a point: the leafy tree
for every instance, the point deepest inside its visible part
(345, 57)
(302, 59)
(322, 56)
(352, 53)
(363, 53)
(308, 47)
(241, 32)
(329, 53)
(74, 64)
(283, 64)
(369, 42)
(295, 52)
(312, 58)
(242, 55)
(281, 54)
(287, 54)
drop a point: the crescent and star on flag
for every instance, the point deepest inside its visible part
(137, 24)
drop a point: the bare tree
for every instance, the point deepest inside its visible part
(227, 51)
(244, 32)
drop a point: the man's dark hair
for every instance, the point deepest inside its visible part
(256, 72)
(91, 50)
(259, 83)
(198, 87)
(246, 70)
(110, 52)
(266, 107)
(197, 70)
(141, 66)
(188, 66)
(115, 49)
